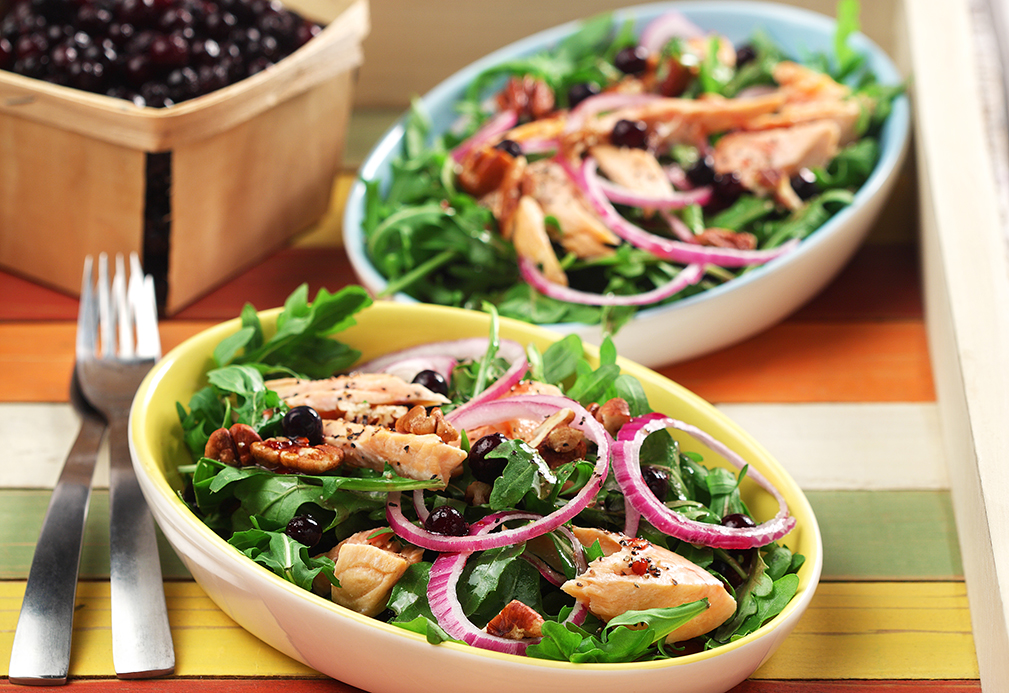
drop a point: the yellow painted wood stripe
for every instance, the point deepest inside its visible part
(878, 630)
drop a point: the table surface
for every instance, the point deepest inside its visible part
(841, 393)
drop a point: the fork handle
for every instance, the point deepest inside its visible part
(141, 637)
(41, 651)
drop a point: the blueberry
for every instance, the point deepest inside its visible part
(303, 422)
(486, 469)
(446, 520)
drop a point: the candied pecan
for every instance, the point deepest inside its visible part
(221, 447)
(726, 238)
(613, 414)
(516, 621)
(676, 78)
(484, 169)
(419, 422)
(563, 444)
(531, 98)
(297, 455)
(478, 493)
(244, 436)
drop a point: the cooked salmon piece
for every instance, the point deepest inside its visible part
(581, 231)
(634, 169)
(762, 159)
(422, 457)
(529, 235)
(339, 395)
(642, 576)
(674, 120)
(368, 565)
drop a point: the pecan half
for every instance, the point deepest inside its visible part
(221, 447)
(297, 455)
(563, 444)
(726, 238)
(419, 422)
(531, 98)
(516, 622)
(244, 436)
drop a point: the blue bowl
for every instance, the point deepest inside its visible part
(740, 308)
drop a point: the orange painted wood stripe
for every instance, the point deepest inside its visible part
(792, 362)
(881, 282)
(817, 362)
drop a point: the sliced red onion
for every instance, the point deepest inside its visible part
(496, 411)
(679, 227)
(632, 518)
(678, 177)
(678, 200)
(445, 605)
(544, 569)
(496, 125)
(627, 470)
(607, 101)
(689, 275)
(539, 145)
(418, 504)
(676, 251)
(437, 354)
(471, 348)
(669, 25)
(408, 368)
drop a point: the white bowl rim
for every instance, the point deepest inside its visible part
(895, 137)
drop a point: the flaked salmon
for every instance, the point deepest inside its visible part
(422, 457)
(634, 169)
(581, 231)
(529, 235)
(368, 565)
(765, 160)
(342, 395)
(636, 575)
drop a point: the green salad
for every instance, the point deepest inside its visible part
(479, 490)
(615, 172)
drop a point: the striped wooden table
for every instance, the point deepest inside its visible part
(841, 393)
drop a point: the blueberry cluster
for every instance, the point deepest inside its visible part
(152, 52)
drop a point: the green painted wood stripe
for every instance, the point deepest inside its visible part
(21, 514)
(867, 535)
(887, 535)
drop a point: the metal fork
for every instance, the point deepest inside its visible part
(141, 637)
(40, 654)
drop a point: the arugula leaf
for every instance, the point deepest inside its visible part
(518, 476)
(284, 556)
(625, 638)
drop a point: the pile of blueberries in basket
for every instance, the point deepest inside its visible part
(152, 52)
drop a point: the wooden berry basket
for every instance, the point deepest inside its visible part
(252, 164)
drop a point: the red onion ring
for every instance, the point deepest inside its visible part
(474, 348)
(679, 227)
(607, 101)
(496, 125)
(676, 251)
(627, 469)
(658, 32)
(408, 368)
(689, 275)
(678, 200)
(445, 605)
(678, 177)
(492, 412)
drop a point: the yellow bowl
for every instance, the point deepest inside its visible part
(379, 657)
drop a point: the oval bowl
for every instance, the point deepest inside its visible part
(738, 309)
(379, 657)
